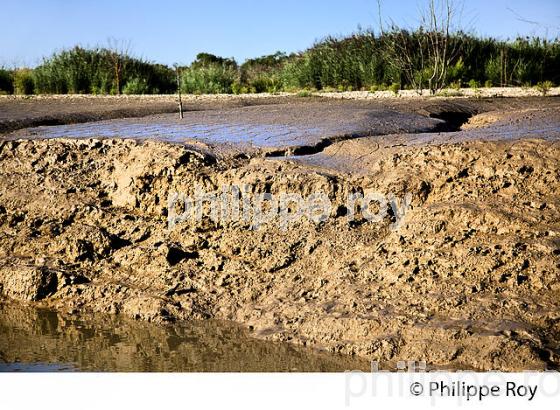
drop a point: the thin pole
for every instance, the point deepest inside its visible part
(178, 76)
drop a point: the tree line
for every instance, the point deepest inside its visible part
(429, 57)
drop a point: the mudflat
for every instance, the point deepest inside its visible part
(464, 274)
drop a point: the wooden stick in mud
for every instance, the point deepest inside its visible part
(177, 74)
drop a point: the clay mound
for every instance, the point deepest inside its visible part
(470, 280)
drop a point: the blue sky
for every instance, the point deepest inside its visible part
(169, 31)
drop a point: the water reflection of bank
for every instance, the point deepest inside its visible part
(42, 340)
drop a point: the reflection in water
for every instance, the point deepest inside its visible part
(42, 340)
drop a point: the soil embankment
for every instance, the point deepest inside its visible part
(469, 279)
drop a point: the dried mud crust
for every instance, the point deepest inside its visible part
(469, 281)
(21, 112)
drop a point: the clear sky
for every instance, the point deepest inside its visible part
(169, 31)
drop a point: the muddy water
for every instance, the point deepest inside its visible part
(43, 340)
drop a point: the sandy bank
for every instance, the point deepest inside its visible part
(469, 280)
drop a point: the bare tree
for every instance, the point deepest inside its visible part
(405, 53)
(424, 55)
(442, 49)
(119, 51)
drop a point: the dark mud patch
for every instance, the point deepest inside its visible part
(453, 120)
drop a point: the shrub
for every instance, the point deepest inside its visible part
(329, 89)
(238, 88)
(80, 70)
(493, 70)
(6, 81)
(263, 74)
(212, 79)
(270, 83)
(488, 84)
(544, 87)
(450, 93)
(395, 87)
(24, 83)
(378, 87)
(136, 86)
(296, 73)
(210, 74)
(474, 84)
(457, 71)
(304, 93)
(456, 85)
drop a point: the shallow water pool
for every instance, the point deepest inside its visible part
(38, 340)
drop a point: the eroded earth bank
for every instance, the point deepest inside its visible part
(470, 278)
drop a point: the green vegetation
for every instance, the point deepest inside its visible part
(95, 71)
(544, 87)
(362, 61)
(136, 86)
(263, 74)
(474, 84)
(304, 93)
(6, 81)
(23, 81)
(209, 74)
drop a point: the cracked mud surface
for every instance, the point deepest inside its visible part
(18, 112)
(469, 281)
